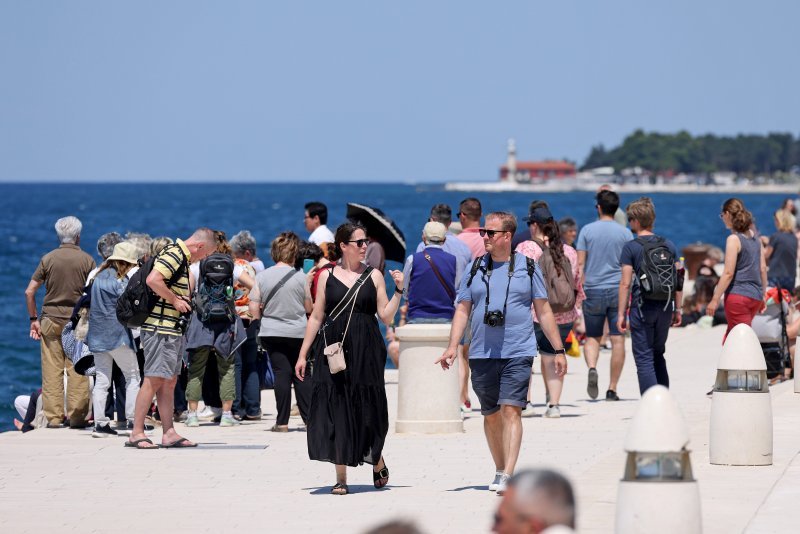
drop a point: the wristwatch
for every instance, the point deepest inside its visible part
(562, 350)
(33, 318)
(398, 290)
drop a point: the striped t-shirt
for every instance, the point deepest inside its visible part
(164, 317)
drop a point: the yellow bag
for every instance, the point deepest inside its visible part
(573, 347)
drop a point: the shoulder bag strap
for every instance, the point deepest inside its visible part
(337, 311)
(439, 276)
(352, 307)
(279, 285)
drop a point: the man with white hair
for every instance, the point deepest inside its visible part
(63, 272)
(536, 501)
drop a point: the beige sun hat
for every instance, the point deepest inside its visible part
(125, 251)
(435, 232)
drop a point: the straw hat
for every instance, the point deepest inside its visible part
(125, 251)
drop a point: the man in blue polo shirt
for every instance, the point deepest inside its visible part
(499, 297)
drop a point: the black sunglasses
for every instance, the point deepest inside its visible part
(359, 242)
(491, 233)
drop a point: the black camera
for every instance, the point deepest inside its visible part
(494, 318)
(183, 323)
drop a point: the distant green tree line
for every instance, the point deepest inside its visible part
(681, 152)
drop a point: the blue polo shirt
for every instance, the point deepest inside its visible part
(516, 339)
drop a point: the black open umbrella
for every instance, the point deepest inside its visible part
(380, 228)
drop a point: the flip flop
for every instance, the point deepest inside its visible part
(179, 444)
(135, 444)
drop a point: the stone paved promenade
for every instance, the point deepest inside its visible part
(247, 479)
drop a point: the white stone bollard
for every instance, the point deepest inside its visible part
(796, 381)
(427, 397)
(658, 492)
(741, 408)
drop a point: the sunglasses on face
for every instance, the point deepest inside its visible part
(359, 242)
(491, 233)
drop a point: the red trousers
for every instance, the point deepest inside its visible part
(740, 309)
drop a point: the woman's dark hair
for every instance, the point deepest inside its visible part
(552, 232)
(741, 219)
(343, 234)
(307, 251)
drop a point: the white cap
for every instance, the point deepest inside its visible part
(742, 351)
(658, 425)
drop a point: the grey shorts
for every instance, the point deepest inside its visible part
(162, 354)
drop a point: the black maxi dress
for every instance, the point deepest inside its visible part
(348, 419)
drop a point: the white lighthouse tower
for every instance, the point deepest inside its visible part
(511, 162)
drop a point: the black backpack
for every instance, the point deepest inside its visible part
(657, 276)
(213, 299)
(138, 300)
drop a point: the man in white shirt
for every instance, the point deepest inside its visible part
(315, 219)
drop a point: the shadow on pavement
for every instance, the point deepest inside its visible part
(352, 489)
(478, 488)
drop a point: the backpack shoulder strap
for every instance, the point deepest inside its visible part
(531, 264)
(181, 269)
(540, 243)
(476, 266)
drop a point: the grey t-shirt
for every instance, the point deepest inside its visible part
(285, 314)
(602, 241)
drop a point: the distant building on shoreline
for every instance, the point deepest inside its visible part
(532, 172)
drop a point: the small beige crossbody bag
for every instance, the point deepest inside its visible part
(334, 352)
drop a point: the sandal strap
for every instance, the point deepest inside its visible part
(383, 473)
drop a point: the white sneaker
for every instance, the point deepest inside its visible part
(208, 413)
(501, 487)
(529, 411)
(553, 412)
(497, 477)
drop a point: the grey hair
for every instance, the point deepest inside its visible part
(242, 242)
(105, 245)
(545, 494)
(158, 244)
(68, 229)
(442, 213)
(141, 242)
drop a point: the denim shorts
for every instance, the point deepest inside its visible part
(543, 344)
(600, 304)
(501, 381)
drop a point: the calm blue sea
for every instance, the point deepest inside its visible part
(28, 212)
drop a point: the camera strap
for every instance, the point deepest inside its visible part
(489, 267)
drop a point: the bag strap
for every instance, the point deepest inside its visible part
(279, 285)
(352, 307)
(439, 276)
(351, 294)
(180, 271)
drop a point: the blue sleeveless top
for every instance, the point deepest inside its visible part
(747, 276)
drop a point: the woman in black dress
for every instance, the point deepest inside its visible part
(348, 418)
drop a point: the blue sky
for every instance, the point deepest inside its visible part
(423, 91)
